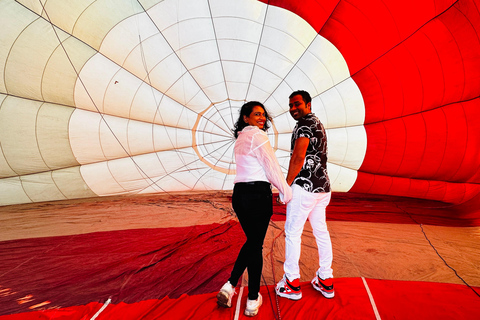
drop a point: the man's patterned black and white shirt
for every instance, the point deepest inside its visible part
(313, 176)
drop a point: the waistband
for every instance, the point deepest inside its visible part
(253, 183)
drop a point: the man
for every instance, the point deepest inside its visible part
(307, 173)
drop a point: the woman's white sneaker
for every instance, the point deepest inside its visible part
(253, 306)
(225, 295)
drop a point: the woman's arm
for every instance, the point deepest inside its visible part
(265, 155)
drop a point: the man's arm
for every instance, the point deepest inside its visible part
(297, 159)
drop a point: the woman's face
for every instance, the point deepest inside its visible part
(256, 117)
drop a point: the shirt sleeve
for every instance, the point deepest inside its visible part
(304, 129)
(263, 151)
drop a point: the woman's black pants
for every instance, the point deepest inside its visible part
(252, 202)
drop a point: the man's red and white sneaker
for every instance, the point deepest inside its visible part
(289, 289)
(324, 286)
(253, 306)
(225, 295)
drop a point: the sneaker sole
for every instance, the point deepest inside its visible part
(291, 296)
(251, 313)
(222, 300)
(328, 295)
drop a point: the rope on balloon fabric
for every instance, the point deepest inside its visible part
(278, 315)
(239, 300)
(372, 301)
(445, 262)
(270, 299)
(436, 251)
(105, 305)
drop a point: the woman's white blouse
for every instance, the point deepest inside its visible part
(256, 161)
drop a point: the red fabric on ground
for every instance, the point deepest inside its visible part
(391, 209)
(148, 272)
(128, 265)
(393, 299)
(424, 300)
(70, 313)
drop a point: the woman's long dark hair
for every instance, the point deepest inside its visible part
(246, 110)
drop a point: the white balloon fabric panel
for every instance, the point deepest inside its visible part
(135, 97)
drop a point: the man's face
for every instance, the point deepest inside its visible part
(298, 108)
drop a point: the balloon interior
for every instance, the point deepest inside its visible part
(117, 164)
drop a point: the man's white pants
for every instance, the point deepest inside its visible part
(305, 205)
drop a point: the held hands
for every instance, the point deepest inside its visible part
(284, 198)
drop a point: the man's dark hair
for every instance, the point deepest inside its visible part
(305, 95)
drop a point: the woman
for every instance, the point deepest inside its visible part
(257, 166)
